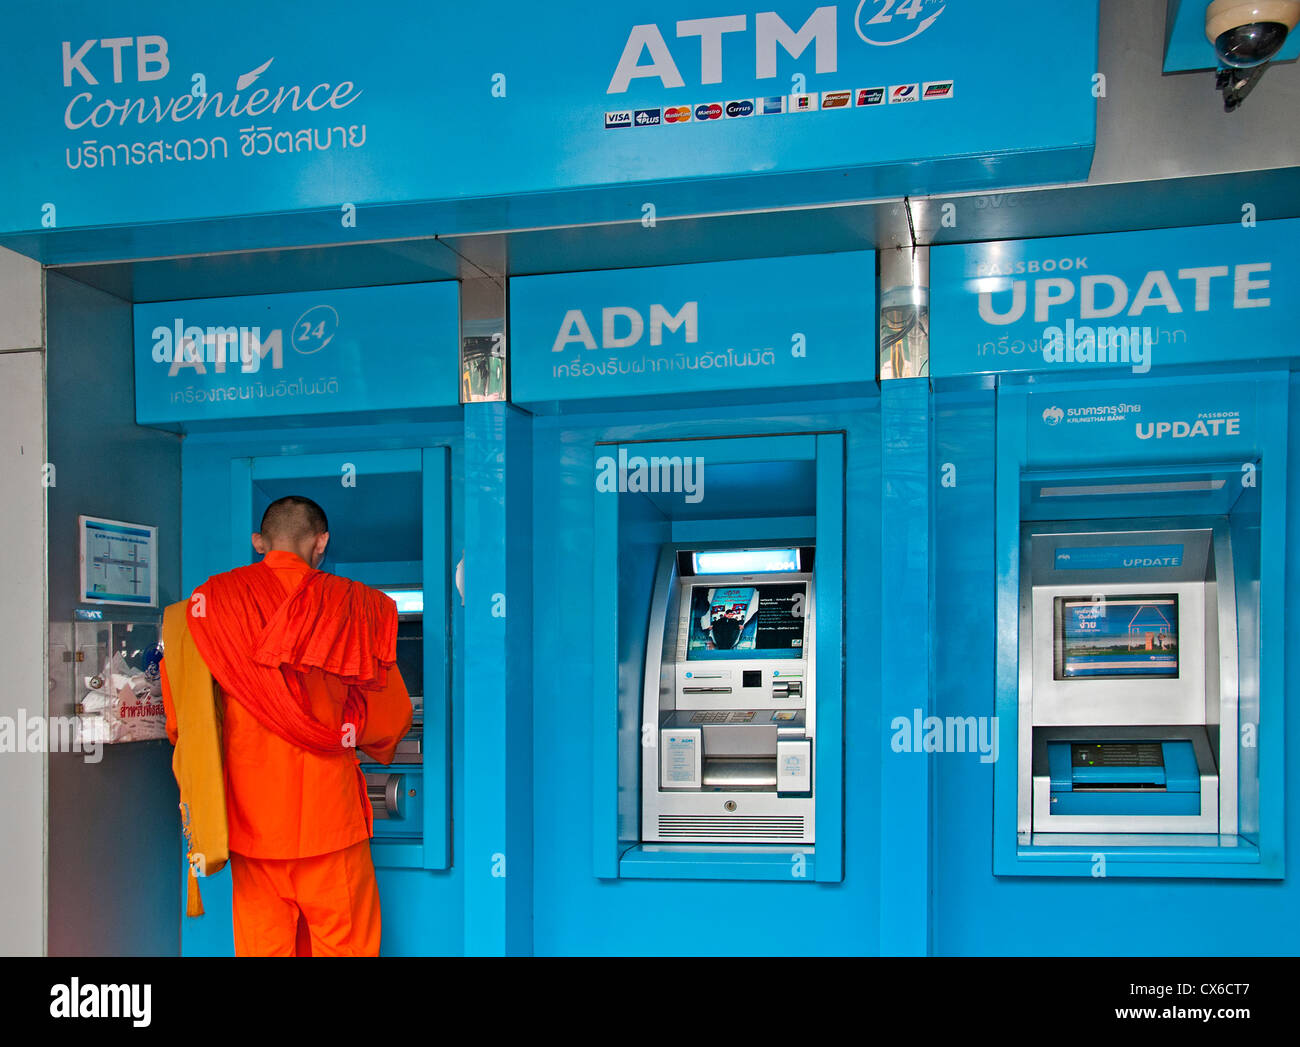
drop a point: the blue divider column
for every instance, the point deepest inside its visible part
(905, 666)
(498, 806)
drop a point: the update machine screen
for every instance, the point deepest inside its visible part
(1117, 637)
(763, 620)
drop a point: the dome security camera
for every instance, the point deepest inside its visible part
(1247, 35)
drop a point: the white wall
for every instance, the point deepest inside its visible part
(22, 601)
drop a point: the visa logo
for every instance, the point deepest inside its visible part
(622, 118)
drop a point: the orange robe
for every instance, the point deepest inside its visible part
(300, 820)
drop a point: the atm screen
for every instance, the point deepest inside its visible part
(1118, 637)
(764, 621)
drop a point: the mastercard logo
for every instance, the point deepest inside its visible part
(677, 114)
(708, 111)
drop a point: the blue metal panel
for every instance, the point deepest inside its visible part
(580, 913)
(436, 524)
(905, 668)
(299, 466)
(422, 908)
(1136, 902)
(604, 692)
(703, 863)
(1107, 803)
(1058, 766)
(617, 691)
(829, 771)
(1009, 451)
(1275, 522)
(498, 662)
(1181, 774)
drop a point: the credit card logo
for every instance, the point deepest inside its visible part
(647, 117)
(937, 89)
(622, 118)
(742, 107)
(836, 99)
(771, 105)
(904, 93)
(677, 114)
(870, 96)
(708, 111)
(803, 103)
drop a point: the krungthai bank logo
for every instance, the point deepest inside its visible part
(885, 23)
(1053, 415)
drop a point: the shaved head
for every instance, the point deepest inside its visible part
(293, 519)
(295, 524)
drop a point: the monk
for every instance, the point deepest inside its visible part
(303, 667)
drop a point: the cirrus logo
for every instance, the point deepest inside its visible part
(744, 107)
(1053, 415)
(884, 23)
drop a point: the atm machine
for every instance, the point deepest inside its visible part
(730, 697)
(396, 792)
(1128, 680)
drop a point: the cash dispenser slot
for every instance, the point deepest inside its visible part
(739, 772)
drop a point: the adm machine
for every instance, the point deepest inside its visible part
(730, 698)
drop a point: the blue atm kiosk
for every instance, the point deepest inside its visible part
(388, 529)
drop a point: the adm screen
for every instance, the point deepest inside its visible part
(764, 621)
(1117, 637)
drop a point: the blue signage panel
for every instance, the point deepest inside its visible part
(142, 111)
(1137, 422)
(754, 324)
(1127, 302)
(307, 353)
(1107, 557)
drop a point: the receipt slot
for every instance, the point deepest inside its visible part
(730, 697)
(1128, 710)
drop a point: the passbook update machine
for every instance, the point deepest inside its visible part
(730, 698)
(1128, 710)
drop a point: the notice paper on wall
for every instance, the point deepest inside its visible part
(118, 562)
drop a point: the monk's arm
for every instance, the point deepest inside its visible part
(388, 718)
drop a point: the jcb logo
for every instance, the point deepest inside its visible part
(151, 62)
